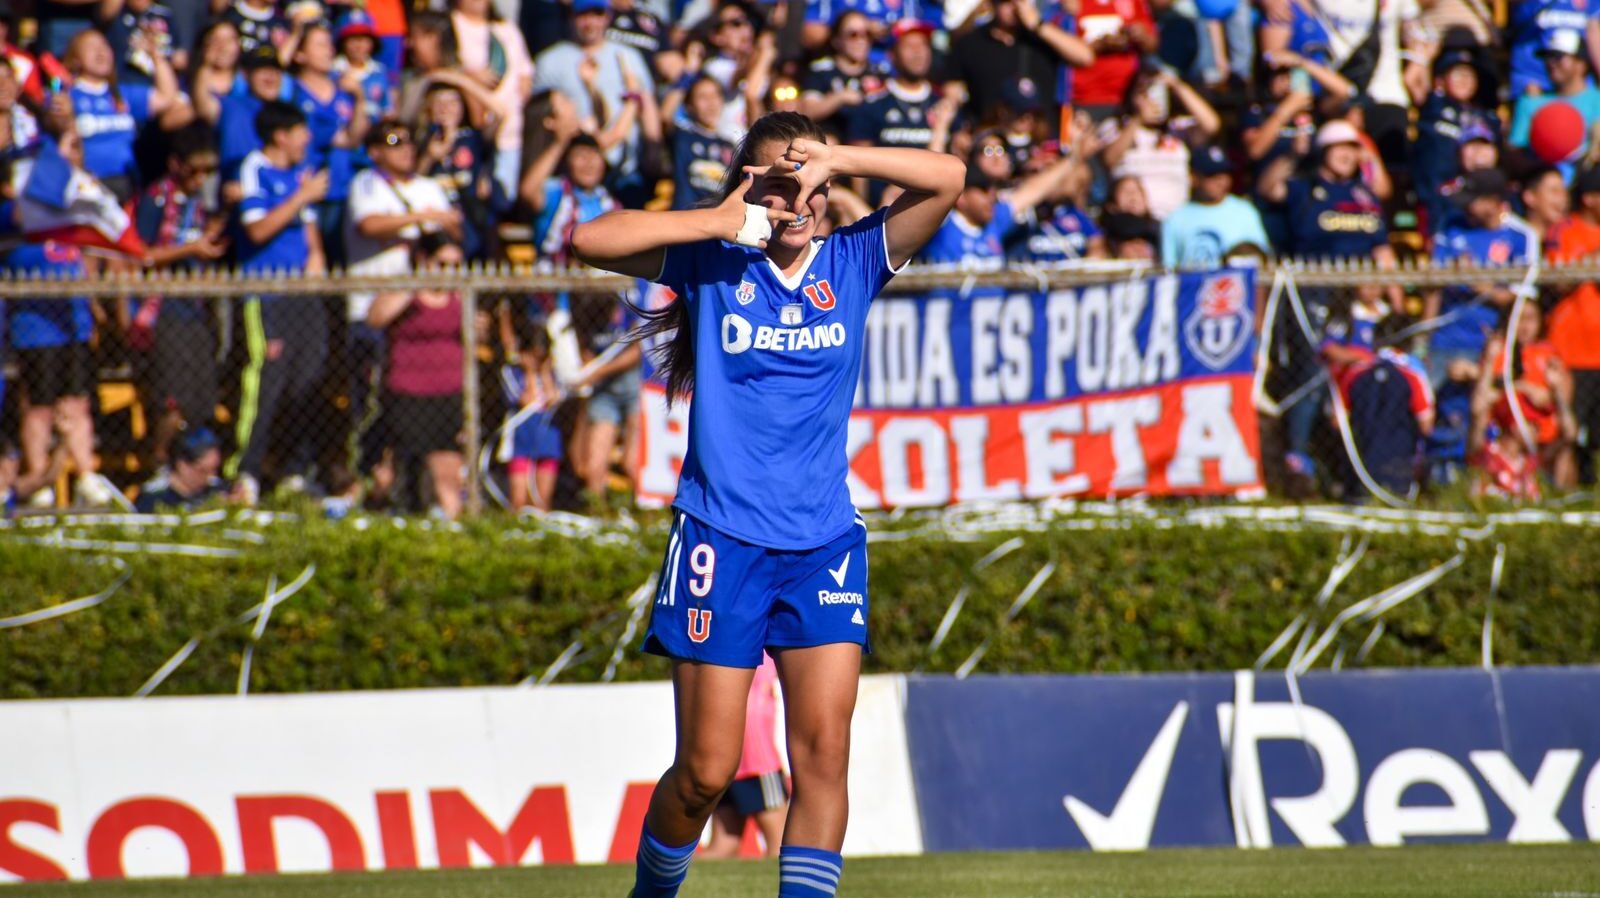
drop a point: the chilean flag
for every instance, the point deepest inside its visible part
(65, 204)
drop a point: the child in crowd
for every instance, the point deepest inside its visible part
(531, 446)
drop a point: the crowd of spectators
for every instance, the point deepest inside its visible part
(376, 136)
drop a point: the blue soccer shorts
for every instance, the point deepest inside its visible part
(722, 601)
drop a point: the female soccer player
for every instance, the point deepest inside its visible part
(766, 550)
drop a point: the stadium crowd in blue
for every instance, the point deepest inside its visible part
(314, 135)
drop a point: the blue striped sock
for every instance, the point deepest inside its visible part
(808, 872)
(660, 868)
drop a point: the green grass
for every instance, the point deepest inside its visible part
(1446, 871)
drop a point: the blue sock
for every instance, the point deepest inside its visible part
(660, 868)
(808, 872)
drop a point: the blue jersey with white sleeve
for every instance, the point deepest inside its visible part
(1468, 319)
(265, 188)
(776, 364)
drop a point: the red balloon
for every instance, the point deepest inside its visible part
(1556, 132)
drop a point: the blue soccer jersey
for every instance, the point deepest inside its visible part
(265, 188)
(1530, 23)
(962, 242)
(108, 126)
(776, 364)
(48, 323)
(325, 119)
(1467, 319)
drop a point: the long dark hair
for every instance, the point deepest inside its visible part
(674, 356)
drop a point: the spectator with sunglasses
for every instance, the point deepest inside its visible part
(178, 364)
(839, 83)
(391, 207)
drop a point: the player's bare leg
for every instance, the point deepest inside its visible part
(710, 704)
(819, 692)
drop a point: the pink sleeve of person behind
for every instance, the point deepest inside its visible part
(760, 753)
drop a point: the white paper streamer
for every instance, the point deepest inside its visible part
(73, 606)
(639, 601)
(1488, 612)
(960, 600)
(1017, 604)
(277, 598)
(250, 647)
(1346, 563)
(161, 674)
(1373, 606)
(1371, 640)
(59, 540)
(556, 666)
(1258, 388)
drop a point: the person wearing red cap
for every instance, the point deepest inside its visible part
(909, 111)
(358, 48)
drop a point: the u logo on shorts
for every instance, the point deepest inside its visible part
(699, 624)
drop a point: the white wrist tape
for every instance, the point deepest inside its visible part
(756, 227)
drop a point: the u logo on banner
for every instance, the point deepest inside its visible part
(699, 624)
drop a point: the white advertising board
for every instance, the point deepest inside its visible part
(373, 780)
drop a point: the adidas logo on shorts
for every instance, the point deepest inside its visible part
(856, 618)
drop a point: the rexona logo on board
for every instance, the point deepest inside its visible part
(1384, 758)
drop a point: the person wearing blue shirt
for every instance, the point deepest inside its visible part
(700, 155)
(767, 549)
(337, 118)
(1063, 232)
(358, 45)
(1464, 316)
(1489, 236)
(50, 338)
(1200, 233)
(286, 338)
(1530, 25)
(974, 234)
(108, 116)
(1563, 57)
(236, 127)
(1331, 214)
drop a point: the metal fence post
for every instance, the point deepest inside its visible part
(469, 396)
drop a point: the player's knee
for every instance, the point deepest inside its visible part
(821, 756)
(704, 776)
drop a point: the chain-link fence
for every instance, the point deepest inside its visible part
(1438, 385)
(468, 389)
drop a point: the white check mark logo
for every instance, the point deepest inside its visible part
(838, 575)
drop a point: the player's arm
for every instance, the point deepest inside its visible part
(634, 242)
(930, 183)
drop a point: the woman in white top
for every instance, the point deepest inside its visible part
(1150, 143)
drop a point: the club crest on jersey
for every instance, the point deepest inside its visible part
(790, 315)
(699, 624)
(821, 295)
(1219, 328)
(746, 293)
